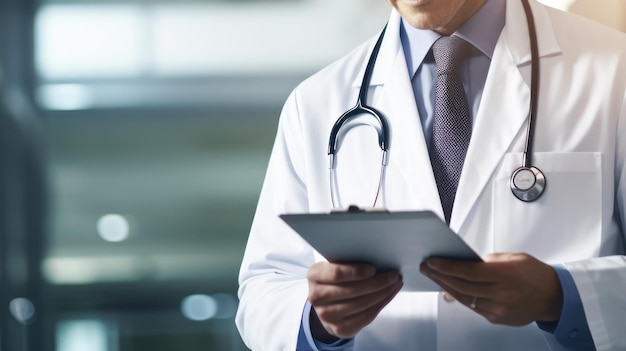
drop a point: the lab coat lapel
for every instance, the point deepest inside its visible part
(503, 112)
(410, 183)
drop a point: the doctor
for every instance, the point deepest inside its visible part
(554, 276)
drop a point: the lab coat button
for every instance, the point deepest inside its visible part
(448, 298)
(573, 333)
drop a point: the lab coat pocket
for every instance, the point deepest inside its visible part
(564, 224)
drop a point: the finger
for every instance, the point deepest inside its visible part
(347, 325)
(467, 270)
(325, 272)
(493, 268)
(480, 289)
(462, 298)
(500, 319)
(505, 257)
(326, 294)
(342, 310)
(368, 315)
(471, 288)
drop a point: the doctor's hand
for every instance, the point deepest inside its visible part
(347, 297)
(510, 288)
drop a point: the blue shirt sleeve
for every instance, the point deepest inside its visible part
(571, 330)
(307, 343)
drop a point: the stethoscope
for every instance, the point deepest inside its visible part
(527, 181)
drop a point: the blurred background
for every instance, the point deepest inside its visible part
(134, 136)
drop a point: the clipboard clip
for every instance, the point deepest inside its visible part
(357, 209)
(354, 208)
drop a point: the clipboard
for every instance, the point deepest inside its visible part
(389, 240)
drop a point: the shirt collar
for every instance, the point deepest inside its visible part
(482, 30)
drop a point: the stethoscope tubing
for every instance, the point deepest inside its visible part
(361, 105)
(534, 85)
(526, 174)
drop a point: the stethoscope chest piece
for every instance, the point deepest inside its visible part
(528, 183)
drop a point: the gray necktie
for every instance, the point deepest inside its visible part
(452, 126)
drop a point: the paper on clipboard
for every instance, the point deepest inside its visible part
(389, 240)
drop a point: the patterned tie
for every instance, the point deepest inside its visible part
(452, 126)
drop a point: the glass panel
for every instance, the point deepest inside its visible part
(161, 119)
(77, 41)
(85, 334)
(96, 41)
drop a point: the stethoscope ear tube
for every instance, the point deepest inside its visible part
(360, 108)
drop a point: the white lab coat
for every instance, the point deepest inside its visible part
(580, 144)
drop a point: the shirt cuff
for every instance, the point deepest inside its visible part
(572, 329)
(306, 342)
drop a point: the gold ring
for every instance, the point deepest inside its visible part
(473, 304)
